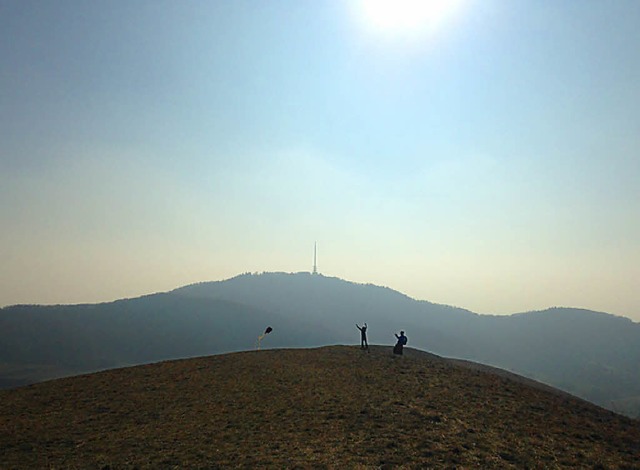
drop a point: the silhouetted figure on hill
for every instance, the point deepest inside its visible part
(402, 341)
(363, 336)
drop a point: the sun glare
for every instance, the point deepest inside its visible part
(406, 17)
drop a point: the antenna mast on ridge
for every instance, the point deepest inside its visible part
(315, 258)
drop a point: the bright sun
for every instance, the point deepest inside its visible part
(406, 17)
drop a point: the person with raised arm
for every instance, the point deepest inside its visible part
(402, 341)
(363, 336)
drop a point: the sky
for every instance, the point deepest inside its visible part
(485, 156)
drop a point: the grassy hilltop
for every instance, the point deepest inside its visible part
(592, 355)
(327, 407)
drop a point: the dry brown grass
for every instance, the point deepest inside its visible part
(320, 408)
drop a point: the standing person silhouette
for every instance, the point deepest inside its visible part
(402, 341)
(363, 336)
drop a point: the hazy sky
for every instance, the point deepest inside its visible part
(489, 160)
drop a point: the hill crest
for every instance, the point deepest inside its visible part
(591, 355)
(326, 407)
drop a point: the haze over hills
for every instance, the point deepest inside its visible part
(592, 355)
(330, 407)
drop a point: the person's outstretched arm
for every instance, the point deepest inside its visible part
(358, 327)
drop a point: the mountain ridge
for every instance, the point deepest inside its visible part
(589, 354)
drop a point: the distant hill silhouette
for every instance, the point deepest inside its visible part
(589, 354)
(332, 407)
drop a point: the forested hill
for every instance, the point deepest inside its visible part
(592, 355)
